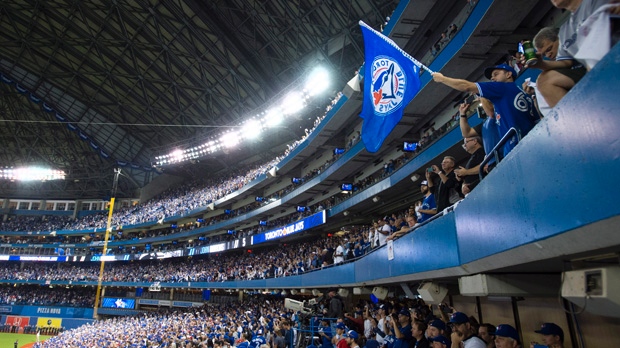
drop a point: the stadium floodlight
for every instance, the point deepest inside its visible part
(292, 103)
(251, 129)
(31, 174)
(229, 139)
(318, 81)
(273, 117)
(177, 155)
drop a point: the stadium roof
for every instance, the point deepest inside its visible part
(88, 84)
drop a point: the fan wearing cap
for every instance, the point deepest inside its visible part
(513, 107)
(429, 205)
(553, 335)
(338, 337)
(435, 328)
(258, 339)
(440, 342)
(401, 327)
(335, 304)
(351, 338)
(506, 336)
(463, 331)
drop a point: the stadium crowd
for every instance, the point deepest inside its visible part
(264, 322)
(37, 295)
(295, 258)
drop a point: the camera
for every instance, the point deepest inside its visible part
(444, 308)
(470, 99)
(429, 169)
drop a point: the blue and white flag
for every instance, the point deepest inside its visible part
(391, 80)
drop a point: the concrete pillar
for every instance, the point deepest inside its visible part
(78, 204)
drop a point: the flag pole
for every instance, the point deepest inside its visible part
(389, 41)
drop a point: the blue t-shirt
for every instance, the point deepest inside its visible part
(427, 204)
(388, 341)
(490, 136)
(407, 337)
(513, 108)
(257, 342)
(326, 342)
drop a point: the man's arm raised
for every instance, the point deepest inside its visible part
(458, 84)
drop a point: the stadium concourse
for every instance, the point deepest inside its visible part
(455, 230)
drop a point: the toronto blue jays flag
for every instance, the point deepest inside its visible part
(391, 80)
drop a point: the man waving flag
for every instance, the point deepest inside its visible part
(391, 80)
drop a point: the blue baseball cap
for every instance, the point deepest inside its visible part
(404, 312)
(441, 339)
(505, 330)
(488, 72)
(551, 329)
(459, 318)
(438, 324)
(340, 326)
(352, 334)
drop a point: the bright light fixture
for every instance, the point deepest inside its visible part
(273, 117)
(230, 139)
(31, 174)
(292, 103)
(177, 155)
(251, 129)
(318, 81)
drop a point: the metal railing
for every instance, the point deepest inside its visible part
(495, 152)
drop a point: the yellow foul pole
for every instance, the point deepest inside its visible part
(108, 229)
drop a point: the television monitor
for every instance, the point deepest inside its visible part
(409, 147)
(338, 151)
(346, 187)
(263, 222)
(259, 198)
(113, 302)
(301, 209)
(230, 231)
(227, 211)
(296, 180)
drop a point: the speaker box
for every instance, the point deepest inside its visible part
(343, 292)
(380, 292)
(432, 293)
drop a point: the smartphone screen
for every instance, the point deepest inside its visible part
(521, 48)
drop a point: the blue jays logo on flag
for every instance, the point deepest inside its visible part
(388, 85)
(391, 80)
